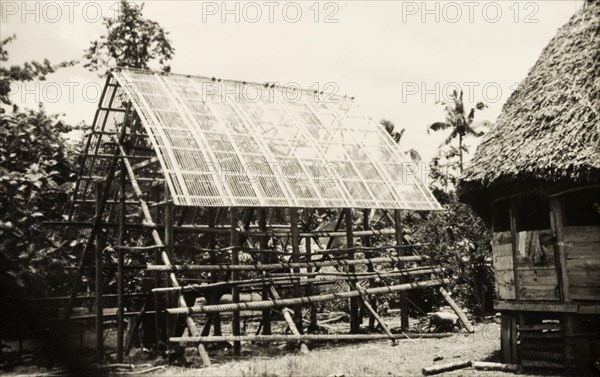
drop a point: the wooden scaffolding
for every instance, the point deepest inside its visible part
(136, 202)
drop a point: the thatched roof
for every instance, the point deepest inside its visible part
(549, 129)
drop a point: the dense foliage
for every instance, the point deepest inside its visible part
(36, 168)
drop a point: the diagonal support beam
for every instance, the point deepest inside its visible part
(158, 241)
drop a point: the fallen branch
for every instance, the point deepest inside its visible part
(445, 367)
(484, 365)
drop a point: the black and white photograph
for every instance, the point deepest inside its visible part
(305, 188)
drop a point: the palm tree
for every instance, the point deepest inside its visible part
(461, 124)
(390, 129)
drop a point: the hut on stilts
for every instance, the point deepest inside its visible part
(536, 179)
(215, 189)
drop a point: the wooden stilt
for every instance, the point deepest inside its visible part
(506, 341)
(401, 252)
(99, 283)
(570, 327)
(355, 319)
(235, 291)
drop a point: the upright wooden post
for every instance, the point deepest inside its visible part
(355, 301)
(513, 212)
(264, 244)
(214, 276)
(570, 326)
(99, 281)
(401, 252)
(120, 266)
(310, 290)
(157, 259)
(368, 254)
(295, 239)
(557, 222)
(169, 219)
(235, 290)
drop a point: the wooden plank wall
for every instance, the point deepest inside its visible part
(538, 280)
(503, 265)
(582, 247)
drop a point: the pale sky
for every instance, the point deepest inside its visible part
(394, 57)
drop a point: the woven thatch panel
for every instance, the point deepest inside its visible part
(227, 143)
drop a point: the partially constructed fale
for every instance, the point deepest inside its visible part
(207, 178)
(536, 179)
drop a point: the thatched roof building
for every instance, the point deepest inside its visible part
(549, 129)
(536, 178)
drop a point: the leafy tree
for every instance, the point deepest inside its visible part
(131, 41)
(461, 123)
(36, 168)
(29, 71)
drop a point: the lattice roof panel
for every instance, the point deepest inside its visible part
(228, 143)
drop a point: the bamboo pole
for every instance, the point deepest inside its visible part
(295, 240)
(310, 290)
(168, 222)
(293, 279)
(136, 325)
(332, 235)
(121, 263)
(258, 305)
(158, 241)
(320, 233)
(88, 144)
(367, 243)
(461, 315)
(354, 301)
(157, 281)
(264, 243)
(301, 337)
(289, 320)
(99, 284)
(97, 223)
(235, 291)
(214, 276)
(285, 265)
(375, 315)
(401, 253)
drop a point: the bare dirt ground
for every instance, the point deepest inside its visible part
(375, 358)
